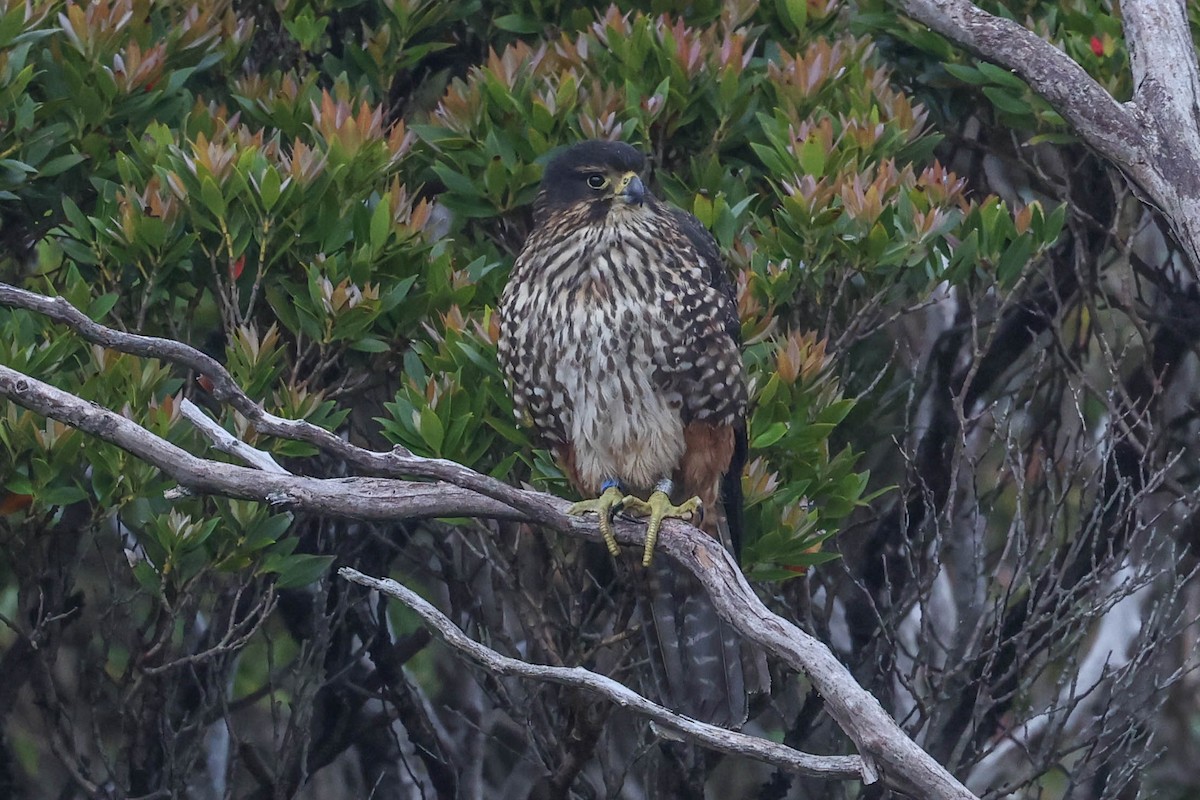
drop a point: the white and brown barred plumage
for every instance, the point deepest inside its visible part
(619, 334)
(619, 337)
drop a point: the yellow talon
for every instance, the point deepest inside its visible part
(607, 504)
(658, 508)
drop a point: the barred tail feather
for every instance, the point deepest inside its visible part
(699, 665)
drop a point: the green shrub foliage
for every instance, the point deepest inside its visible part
(330, 200)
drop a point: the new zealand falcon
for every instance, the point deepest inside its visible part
(619, 336)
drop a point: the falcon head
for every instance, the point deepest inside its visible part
(592, 178)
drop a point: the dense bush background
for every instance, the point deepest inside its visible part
(960, 333)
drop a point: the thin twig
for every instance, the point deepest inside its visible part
(226, 442)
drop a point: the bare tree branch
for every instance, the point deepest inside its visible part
(397, 462)
(359, 498)
(226, 442)
(716, 738)
(1154, 139)
(1162, 58)
(1049, 71)
(886, 751)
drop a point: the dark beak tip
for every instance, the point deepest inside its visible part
(635, 192)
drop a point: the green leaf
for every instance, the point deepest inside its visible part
(877, 240)
(795, 13)
(702, 208)
(269, 187)
(59, 165)
(306, 28)
(16, 166)
(1005, 100)
(965, 73)
(432, 430)
(835, 412)
(1001, 76)
(75, 216)
(201, 534)
(516, 23)
(768, 574)
(1054, 138)
(100, 307)
(1054, 223)
(770, 436)
(771, 160)
(370, 344)
(456, 182)
(11, 24)
(768, 392)
(61, 495)
(394, 296)
(1015, 257)
(77, 252)
(147, 576)
(211, 195)
(381, 224)
(268, 531)
(301, 570)
(19, 484)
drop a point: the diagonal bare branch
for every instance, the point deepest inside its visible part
(385, 498)
(1107, 124)
(711, 736)
(396, 463)
(226, 442)
(886, 751)
(359, 498)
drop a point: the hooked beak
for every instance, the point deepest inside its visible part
(633, 190)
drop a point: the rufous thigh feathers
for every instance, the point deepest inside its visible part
(708, 449)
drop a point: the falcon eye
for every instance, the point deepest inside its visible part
(597, 181)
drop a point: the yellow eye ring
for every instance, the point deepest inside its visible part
(597, 181)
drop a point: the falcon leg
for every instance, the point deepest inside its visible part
(608, 503)
(658, 508)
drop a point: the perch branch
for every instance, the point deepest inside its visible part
(886, 751)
